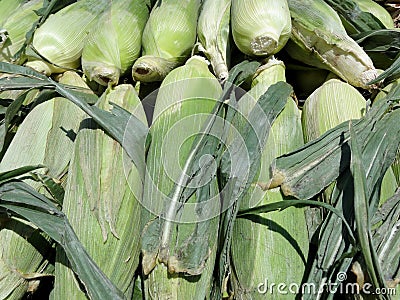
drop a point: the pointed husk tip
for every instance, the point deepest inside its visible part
(150, 68)
(104, 75)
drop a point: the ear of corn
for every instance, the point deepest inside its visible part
(213, 30)
(260, 28)
(168, 38)
(317, 29)
(106, 202)
(45, 137)
(185, 100)
(331, 104)
(265, 241)
(114, 43)
(16, 27)
(62, 44)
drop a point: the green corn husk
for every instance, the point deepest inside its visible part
(16, 27)
(61, 38)
(168, 38)
(213, 30)
(44, 137)
(7, 8)
(114, 43)
(101, 202)
(178, 258)
(265, 241)
(321, 40)
(260, 28)
(331, 104)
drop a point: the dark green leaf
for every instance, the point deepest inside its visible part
(242, 72)
(351, 12)
(21, 199)
(335, 247)
(383, 46)
(12, 174)
(19, 193)
(282, 205)
(137, 290)
(79, 98)
(52, 6)
(379, 40)
(382, 213)
(20, 70)
(387, 236)
(20, 83)
(11, 112)
(361, 212)
(379, 152)
(390, 74)
(114, 123)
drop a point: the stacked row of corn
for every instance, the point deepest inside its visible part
(107, 37)
(128, 221)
